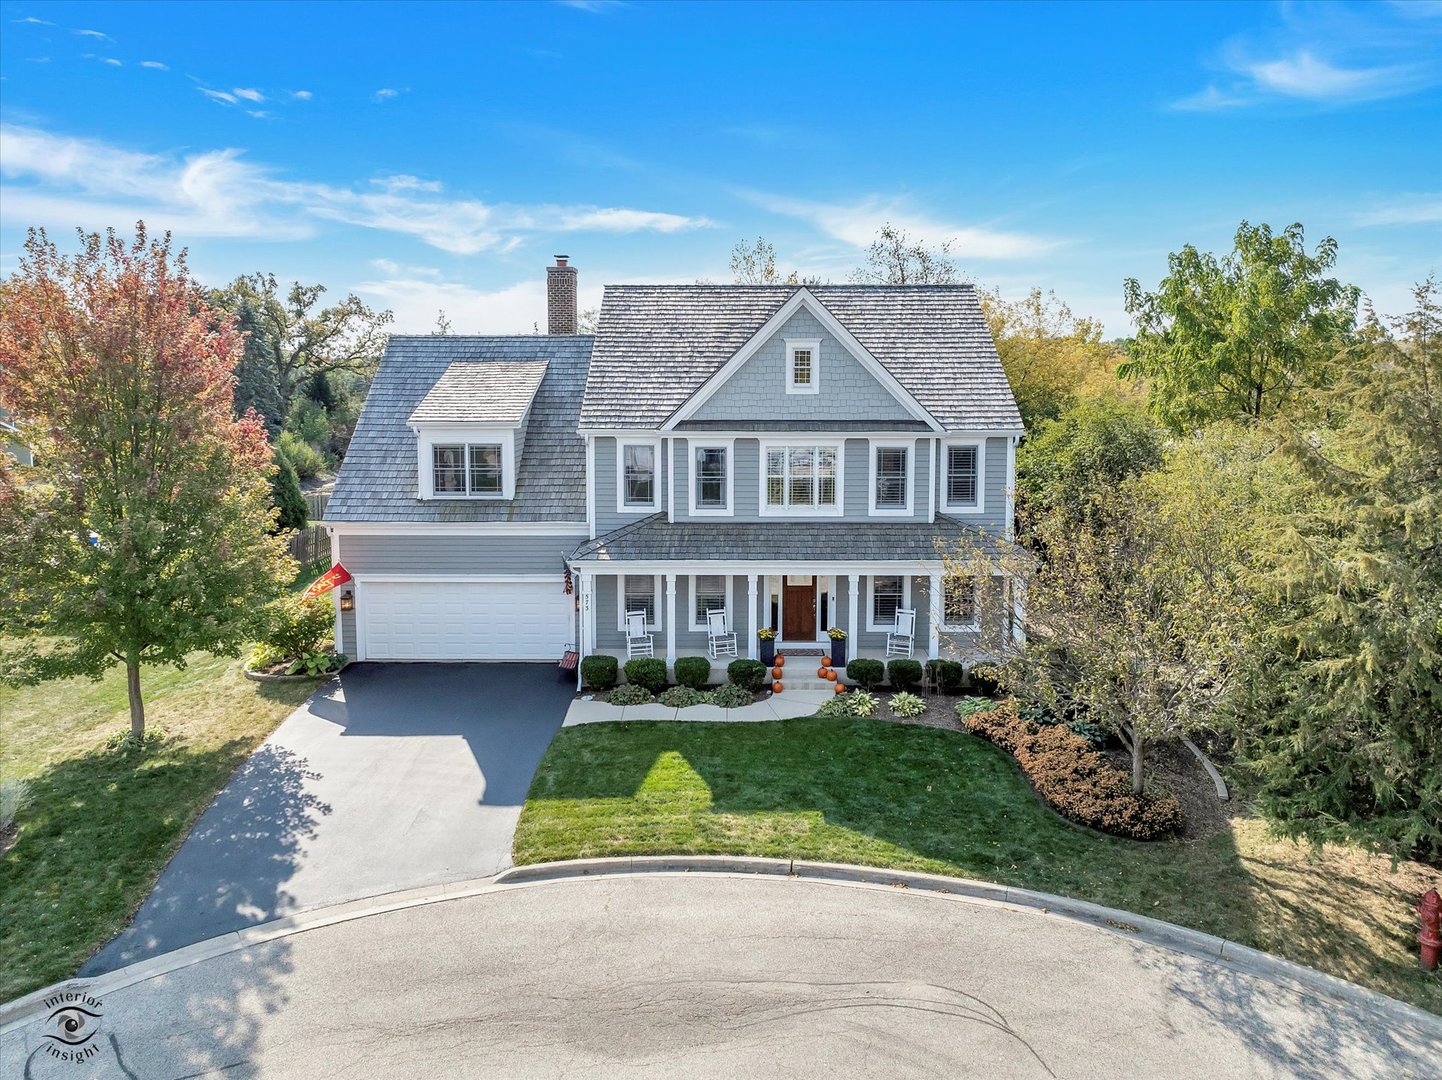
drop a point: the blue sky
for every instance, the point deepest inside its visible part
(437, 156)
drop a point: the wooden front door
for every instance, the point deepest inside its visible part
(798, 608)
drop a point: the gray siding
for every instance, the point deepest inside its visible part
(347, 632)
(607, 462)
(758, 390)
(451, 555)
(995, 482)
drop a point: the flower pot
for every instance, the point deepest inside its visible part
(838, 652)
(768, 651)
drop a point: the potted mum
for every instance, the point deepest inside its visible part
(838, 646)
(767, 637)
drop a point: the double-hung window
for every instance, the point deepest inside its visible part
(888, 593)
(710, 595)
(639, 594)
(638, 476)
(890, 489)
(963, 476)
(801, 478)
(711, 485)
(958, 602)
(803, 367)
(474, 469)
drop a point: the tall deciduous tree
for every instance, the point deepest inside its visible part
(143, 531)
(1234, 338)
(895, 257)
(293, 339)
(755, 264)
(1344, 728)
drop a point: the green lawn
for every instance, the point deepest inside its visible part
(917, 798)
(102, 823)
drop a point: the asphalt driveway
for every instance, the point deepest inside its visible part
(393, 776)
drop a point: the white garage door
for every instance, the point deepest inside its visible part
(463, 620)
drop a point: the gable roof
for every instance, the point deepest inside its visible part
(482, 392)
(377, 480)
(656, 345)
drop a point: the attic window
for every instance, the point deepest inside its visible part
(803, 367)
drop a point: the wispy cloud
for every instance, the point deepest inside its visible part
(857, 223)
(59, 179)
(218, 95)
(97, 34)
(592, 7)
(415, 294)
(154, 65)
(385, 93)
(1305, 75)
(301, 95)
(247, 94)
(31, 20)
(1425, 209)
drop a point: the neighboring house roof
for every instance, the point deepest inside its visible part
(482, 392)
(377, 480)
(654, 539)
(657, 344)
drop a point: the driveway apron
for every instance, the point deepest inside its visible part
(392, 776)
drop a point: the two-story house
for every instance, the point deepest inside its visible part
(789, 454)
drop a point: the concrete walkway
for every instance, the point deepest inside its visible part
(392, 776)
(783, 706)
(710, 975)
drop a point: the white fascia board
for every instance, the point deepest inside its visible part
(802, 298)
(455, 528)
(757, 566)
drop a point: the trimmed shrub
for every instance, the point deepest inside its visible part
(693, 671)
(970, 706)
(599, 672)
(1075, 780)
(904, 674)
(295, 626)
(732, 696)
(647, 671)
(631, 694)
(747, 674)
(949, 675)
(905, 704)
(681, 697)
(868, 673)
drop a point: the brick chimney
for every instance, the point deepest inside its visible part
(561, 297)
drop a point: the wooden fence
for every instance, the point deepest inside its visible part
(312, 545)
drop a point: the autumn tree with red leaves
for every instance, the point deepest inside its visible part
(142, 531)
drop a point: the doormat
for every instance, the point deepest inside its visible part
(801, 652)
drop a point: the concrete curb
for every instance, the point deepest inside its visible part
(17, 1013)
(1166, 935)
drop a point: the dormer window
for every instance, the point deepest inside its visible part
(803, 367)
(467, 470)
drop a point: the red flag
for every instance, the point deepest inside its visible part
(336, 575)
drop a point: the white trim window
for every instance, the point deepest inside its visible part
(965, 476)
(640, 592)
(708, 593)
(711, 478)
(959, 607)
(888, 593)
(467, 471)
(638, 476)
(803, 366)
(801, 479)
(891, 478)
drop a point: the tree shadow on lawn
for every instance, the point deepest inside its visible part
(910, 797)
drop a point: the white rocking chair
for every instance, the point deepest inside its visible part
(899, 641)
(638, 642)
(719, 640)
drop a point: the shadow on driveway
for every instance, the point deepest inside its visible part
(393, 776)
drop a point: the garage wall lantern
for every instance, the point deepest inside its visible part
(347, 600)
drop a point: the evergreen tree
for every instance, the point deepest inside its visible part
(286, 495)
(1343, 730)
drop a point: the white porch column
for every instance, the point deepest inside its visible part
(587, 643)
(852, 598)
(753, 647)
(933, 621)
(670, 619)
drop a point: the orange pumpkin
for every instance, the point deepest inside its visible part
(780, 661)
(826, 661)
(776, 671)
(821, 673)
(831, 674)
(840, 689)
(776, 686)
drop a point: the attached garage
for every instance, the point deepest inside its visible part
(463, 620)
